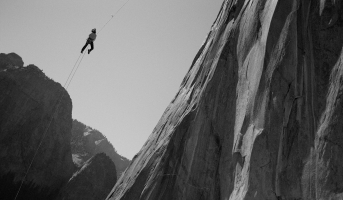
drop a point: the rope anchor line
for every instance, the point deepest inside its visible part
(112, 16)
(57, 105)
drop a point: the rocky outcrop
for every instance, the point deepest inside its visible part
(11, 59)
(258, 115)
(93, 181)
(86, 142)
(35, 114)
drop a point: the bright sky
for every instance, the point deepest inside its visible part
(139, 60)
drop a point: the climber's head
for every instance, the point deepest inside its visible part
(94, 30)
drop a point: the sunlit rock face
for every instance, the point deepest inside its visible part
(259, 114)
(35, 113)
(87, 142)
(93, 181)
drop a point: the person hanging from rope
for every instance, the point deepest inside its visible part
(90, 40)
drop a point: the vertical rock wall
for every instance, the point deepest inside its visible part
(28, 100)
(258, 115)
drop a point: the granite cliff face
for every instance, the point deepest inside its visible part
(28, 100)
(259, 114)
(87, 142)
(93, 181)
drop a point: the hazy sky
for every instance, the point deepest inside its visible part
(140, 58)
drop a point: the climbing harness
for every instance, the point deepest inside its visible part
(66, 85)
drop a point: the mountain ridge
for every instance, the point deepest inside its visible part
(87, 141)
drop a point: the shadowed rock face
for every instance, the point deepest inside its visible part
(11, 59)
(86, 142)
(259, 114)
(28, 100)
(93, 181)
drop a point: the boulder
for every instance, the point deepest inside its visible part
(12, 59)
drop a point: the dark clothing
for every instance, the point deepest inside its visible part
(89, 41)
(92, 36)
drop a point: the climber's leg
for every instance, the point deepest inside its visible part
(83, 48)
(92, 47)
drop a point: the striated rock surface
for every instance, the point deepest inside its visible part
(93, 181)
(86, 142)
(28, 100)
(259, 114)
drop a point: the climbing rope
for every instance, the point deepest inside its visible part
(66, 85)
(72, 70)
(112, 16)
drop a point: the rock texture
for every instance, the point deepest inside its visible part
(28, 100)
(93, 181)
(87, 142)
(259, 114)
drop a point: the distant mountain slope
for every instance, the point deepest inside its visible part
(85, 184)
(86, 142)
